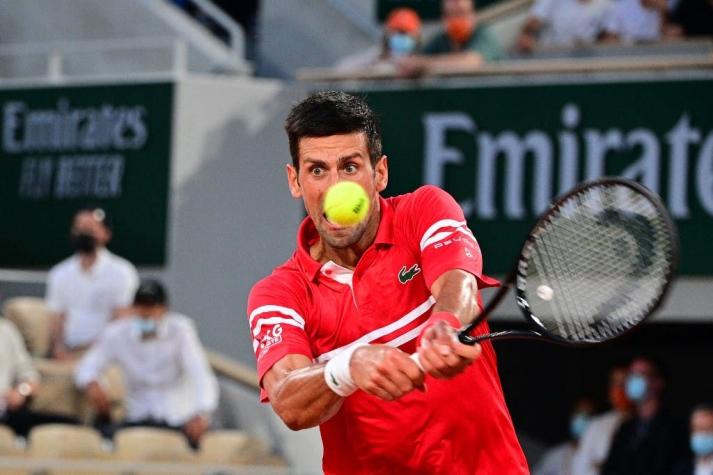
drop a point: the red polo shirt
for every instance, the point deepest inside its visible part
(458, 426)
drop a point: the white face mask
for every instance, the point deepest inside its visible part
(146, 326)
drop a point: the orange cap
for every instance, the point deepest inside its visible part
(404, 19)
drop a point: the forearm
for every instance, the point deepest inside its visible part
(302, 399)
(57, 334)
(456, 292)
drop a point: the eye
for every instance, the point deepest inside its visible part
(316, 171)
(351, 168)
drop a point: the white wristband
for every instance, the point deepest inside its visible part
(337, 374)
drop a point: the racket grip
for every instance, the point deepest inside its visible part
(467, 339)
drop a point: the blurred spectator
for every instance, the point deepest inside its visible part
(563, 23)
(402, 37)
(559, 459)
(635, 21)
(169, 383)
(701, 461)
(89, 288)
(461, 42)
(19, 381)
(649, 443)
(596, 440)
(694, 17)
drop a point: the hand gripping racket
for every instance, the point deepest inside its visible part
(595, 265)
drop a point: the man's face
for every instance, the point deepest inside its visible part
(457, 8)
(150, 312)
(645, 368)
(86, 222)
(323, 161)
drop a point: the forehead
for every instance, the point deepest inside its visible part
(702, 419)
(85, 218)
(333, 147)
(643, 367)
(457, 6)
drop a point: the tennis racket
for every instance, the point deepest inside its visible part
(595, 266)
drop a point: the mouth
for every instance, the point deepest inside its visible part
(332, 226)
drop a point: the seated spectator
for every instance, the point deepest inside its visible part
(169, 383)
(693, 17)
(402, 37)
(701, 461)
(635, 21)
(594, 443)
(563, 23)
(462, 42)
(19, 381)
(650, 442)
(558, 460)
(88, 289)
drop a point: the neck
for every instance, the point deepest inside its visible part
(705, 458)
(648, 409)
(88, 260)
(348, 256)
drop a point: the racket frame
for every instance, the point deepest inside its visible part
(518, 275)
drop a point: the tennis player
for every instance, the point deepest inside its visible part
(333, 327)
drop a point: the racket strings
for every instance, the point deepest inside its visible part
(602, 257)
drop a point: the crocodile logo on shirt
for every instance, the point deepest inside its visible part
(406, 275)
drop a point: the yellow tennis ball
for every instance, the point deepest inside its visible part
(346, 203)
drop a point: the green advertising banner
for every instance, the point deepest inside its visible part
(64, 148)
(506, 152)
(427, 9)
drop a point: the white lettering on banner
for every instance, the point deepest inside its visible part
(513, 149)
(66, 128)
(81, 176)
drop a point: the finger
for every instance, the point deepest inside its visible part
(382, 384)
(469, 352)
(431, 362)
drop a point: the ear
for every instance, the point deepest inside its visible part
(381, 173)
(293, 181)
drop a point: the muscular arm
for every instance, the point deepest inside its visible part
(298, 392)
(302, 399)
(456, 291)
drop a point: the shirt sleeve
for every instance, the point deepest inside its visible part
(277, 325)
(53, 297)
(444, 240)
(129, 284)
(198, 369)
(24, 371)
(94, 361)
(542, 10)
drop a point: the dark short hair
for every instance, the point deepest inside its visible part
(703, 407)
(326, 113)
(150, 292)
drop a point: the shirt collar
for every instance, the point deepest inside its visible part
(307, 235)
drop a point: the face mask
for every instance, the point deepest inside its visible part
(579, 424)
(83, 243)
(460, 28)
(401, 44)
(636, 387)
(702, 443)
(146, 326)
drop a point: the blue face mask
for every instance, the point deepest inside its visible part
(702, 443)
(636, 387)
(401, 44)
(578, 424)
(146, 326)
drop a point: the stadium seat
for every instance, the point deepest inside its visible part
(32, 319)
(66, 442)
(8, 447)
(232, 447)
(145, 444)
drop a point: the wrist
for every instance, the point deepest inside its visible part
(448, 318)
(337, 372)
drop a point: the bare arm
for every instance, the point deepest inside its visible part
(302, 399)
(298, 393)
(441, 355)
